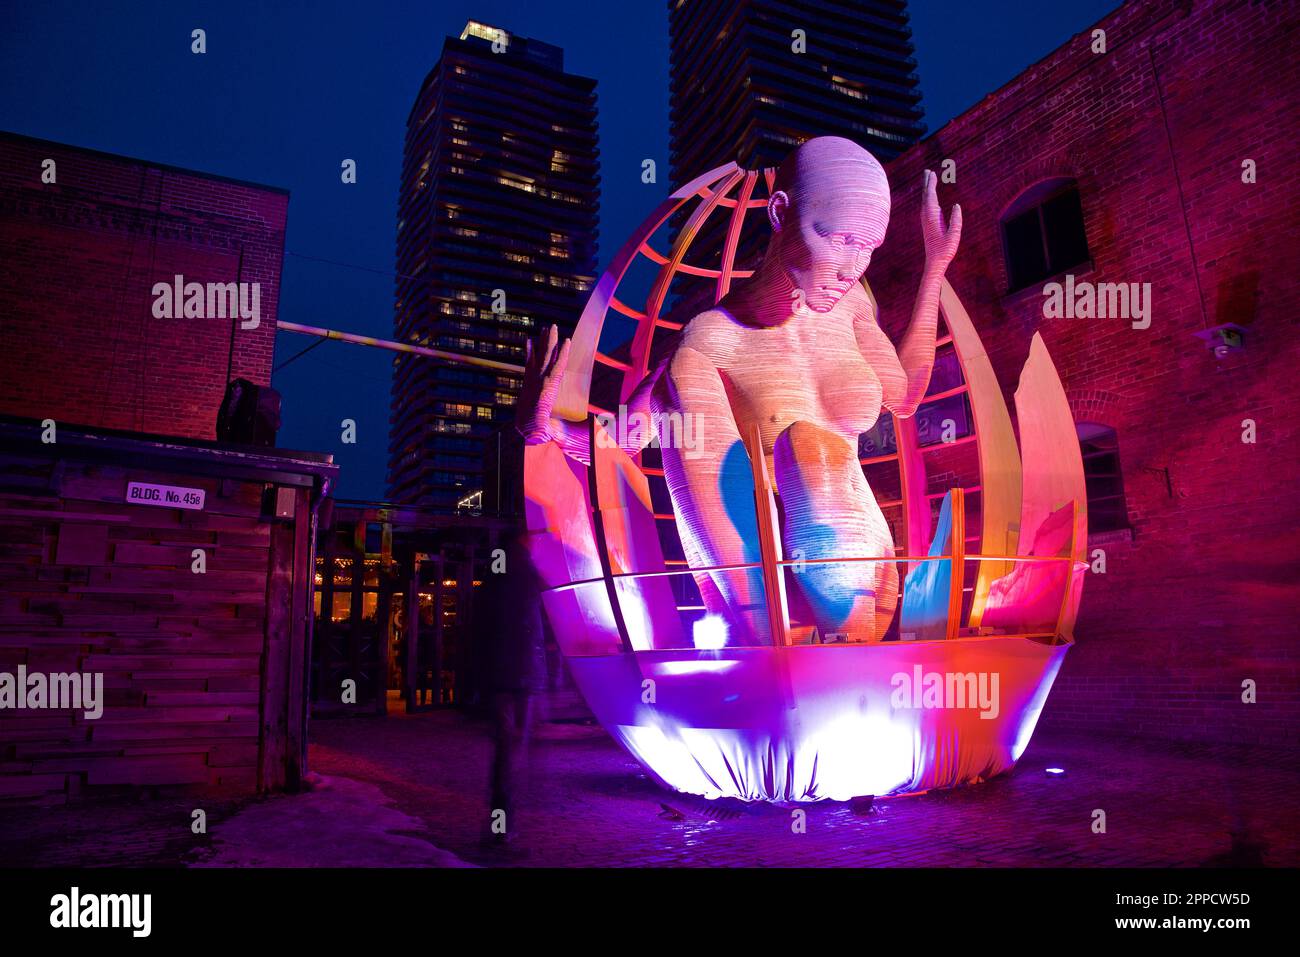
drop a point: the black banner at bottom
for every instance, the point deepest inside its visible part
(534, 906)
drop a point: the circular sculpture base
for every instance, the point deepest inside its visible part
(818, 722)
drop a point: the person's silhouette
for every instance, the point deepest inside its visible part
(512, 670)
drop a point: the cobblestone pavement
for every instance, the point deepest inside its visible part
(588, 804)
(146, 830)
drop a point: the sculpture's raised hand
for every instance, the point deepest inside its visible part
(543, 372)
(940, 243)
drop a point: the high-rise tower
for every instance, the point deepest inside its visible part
(496, 239)
(752, 79)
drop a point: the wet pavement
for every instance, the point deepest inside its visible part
(410, 790)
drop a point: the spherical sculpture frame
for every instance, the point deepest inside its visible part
(801, 719)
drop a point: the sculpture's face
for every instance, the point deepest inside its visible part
(826, 247)
(828, 216)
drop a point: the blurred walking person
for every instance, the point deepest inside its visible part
(512, 656)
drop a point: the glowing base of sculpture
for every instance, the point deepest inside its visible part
(812, 723)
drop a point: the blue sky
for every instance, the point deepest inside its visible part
(287, 90)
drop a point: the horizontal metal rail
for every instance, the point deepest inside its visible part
(1020, 559)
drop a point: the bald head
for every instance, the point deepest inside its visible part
(829, 209)
(830, 170)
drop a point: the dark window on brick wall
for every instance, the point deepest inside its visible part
(1099, 446)
(1042, 233)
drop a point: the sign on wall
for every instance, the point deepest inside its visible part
(165, 496)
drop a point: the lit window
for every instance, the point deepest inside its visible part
(527, 187)
(882, 134)
(840, 85)
(484, 32)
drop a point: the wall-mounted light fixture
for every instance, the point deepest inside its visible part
(1223, 339)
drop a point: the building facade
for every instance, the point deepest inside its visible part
(1157, 160)
(496, 239)
(140, 555)
(750, 80)
(88, 240)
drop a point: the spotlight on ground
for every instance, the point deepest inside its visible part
(864, 806)
(1055, 770)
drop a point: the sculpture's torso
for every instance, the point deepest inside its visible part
(810, 385)
(809, 369)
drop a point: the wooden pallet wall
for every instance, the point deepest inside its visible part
(90, 584)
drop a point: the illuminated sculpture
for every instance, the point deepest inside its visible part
(781, 376)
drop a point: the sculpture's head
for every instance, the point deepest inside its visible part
(829, 210)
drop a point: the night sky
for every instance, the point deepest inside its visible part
(286, 91)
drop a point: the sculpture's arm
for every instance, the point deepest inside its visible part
(534, 418)
(711, 484)
(917, 351)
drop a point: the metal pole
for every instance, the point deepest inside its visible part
(398, 346)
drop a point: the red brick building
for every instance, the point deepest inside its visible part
(79, 260)
(204, 667)
(1200, 592)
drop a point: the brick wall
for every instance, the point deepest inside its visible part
(1201, 592)
(78, 262)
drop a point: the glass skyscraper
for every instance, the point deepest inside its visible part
(496, 239)
(752, 79)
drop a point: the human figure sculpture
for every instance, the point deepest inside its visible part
(796, 352)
